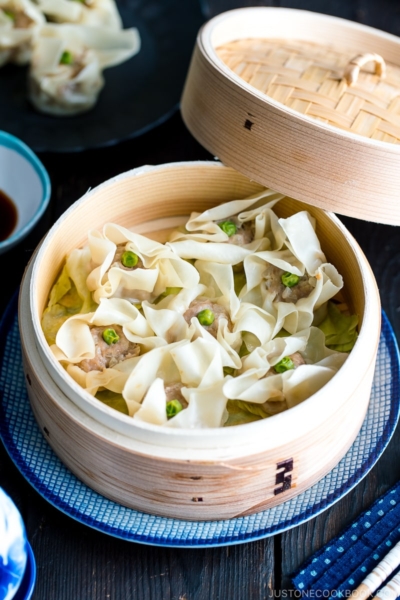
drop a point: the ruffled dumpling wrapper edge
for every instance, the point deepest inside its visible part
(203, 227)
(295, 385)
(16, 42)
(74, 341)
(163, 268)
(101, 13)
(67, 89)
(200, 367)
(245, 317)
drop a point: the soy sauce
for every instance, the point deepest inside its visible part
(8, 216)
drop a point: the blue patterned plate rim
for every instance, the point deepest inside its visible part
(162, 531)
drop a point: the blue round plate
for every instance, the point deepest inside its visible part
(27, 586)
(41, 467)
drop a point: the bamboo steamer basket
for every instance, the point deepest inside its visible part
(304, 103)
(193, 474)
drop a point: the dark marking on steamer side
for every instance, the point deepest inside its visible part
(285, 464)
(281, 478)
(248, 124)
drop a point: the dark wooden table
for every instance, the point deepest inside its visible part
(78, 563)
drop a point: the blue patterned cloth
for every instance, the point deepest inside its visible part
(346, 560)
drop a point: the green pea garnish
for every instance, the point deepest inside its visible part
(110, 336)
(169, 291)
(206, 317)
(173, 407)
(290, 279)
(9, 14)
(228, 227)
(66, 58)
(129, 259)
(286, 364)
(229, 371)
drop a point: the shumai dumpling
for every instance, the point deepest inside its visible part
(98, 13)
(19, 22)
(65, 76)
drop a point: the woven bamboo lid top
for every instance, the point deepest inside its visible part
(358, 94)
(304, 103)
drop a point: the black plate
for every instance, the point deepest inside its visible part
(138, 94)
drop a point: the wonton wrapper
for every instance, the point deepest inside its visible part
(294, 385)
(112, 379)
(74, 342)
(97, 13)
(68, 89)
(166, 317)
(245, 317)
(162, 267)
(167, 321)
(298, 252)
(156, 363)
(153, 408)
(203, 227)
(299, 315)
(16, 35)
(198, 366)
(207, 408)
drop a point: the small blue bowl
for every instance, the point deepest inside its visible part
(26, 182)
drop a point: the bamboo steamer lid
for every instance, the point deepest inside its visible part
(303, 103)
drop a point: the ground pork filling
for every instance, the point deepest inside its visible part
(109, 355)
(244, 232)
(20, 19)
(173, 392)
(281, 293)
(218, 311)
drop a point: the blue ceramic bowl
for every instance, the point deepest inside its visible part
(24, 180)
(13, 548)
